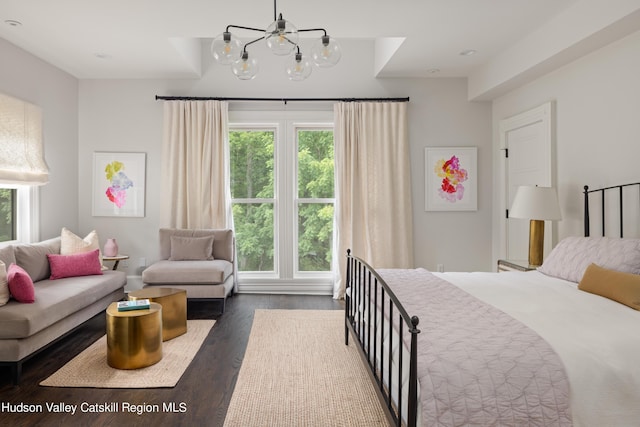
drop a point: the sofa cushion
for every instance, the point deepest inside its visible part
(7, 255)
(70, 243)
(223, 245)
(55, 300)
(188, 272)
(33, 257)
(191, 248)
(80, 264)
(4, 285)
(20, 284)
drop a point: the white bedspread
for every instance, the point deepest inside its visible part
(597, 339)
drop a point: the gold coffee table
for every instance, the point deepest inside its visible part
(134, 337)
(174, 308)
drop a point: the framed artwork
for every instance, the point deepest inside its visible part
(118, 184)
(451, 178)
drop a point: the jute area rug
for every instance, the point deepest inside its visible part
(90, 369)
(297, 371)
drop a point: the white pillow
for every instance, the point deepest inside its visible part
(72, 244)
(571, 257)
(4, 284)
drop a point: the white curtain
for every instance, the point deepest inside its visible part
(373, 186)
(195, 165)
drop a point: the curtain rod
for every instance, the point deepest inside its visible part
(285, 100)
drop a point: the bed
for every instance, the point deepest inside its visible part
(554, 346)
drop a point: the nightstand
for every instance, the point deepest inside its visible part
(514, 265)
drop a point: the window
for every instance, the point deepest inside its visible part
(18, 213)
(252, 193)
(8, 214)
(315, 174)
(282, 189)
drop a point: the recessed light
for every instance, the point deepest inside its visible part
(468, 52)
(13, 23)
(433, 70)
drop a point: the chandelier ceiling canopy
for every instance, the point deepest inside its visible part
(281, 37)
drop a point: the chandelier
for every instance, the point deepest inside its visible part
(281, 37)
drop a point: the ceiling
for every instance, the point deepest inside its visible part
(165, 38)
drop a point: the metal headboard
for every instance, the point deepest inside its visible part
(602, 192)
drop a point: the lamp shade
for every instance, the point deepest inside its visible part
(539, 203)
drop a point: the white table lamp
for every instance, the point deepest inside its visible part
(536, 204)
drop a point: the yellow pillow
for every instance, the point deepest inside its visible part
(618, 286)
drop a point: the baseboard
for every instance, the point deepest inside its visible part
(286, 288)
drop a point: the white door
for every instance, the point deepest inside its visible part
(527, 145)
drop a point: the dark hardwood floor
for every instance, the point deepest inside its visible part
(204, 391)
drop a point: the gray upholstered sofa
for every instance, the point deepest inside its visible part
(60, 305)
(200, 261)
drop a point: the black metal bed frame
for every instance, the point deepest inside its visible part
(367, 294)
(366, 291)
(603, 192)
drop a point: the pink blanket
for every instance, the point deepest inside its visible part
(476, 364)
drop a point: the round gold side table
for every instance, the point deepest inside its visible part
(174, 308)
(134, 337)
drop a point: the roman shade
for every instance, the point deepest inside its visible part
(21, 150)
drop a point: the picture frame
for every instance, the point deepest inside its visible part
(451, 178)
(119, 184)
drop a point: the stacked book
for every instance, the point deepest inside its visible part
(138, 304)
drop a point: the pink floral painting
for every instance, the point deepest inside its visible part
(118, 184)
(451, 178)
(453, 175)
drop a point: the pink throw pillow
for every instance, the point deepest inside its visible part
(80, 264)
(20, 284)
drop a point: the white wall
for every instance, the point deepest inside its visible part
(25, 77)
(597, 101)
(122, 115)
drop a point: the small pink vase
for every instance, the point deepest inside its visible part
(110, 248)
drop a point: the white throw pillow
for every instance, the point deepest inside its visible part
(71, 244)
(4, 284)
(571, 257)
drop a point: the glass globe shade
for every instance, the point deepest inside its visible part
(226, 48)
(245, 68)
(298, 67)
(326, 52)
(281, 37)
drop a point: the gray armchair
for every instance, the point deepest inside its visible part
(200, 261)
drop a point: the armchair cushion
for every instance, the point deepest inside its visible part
(188, 272)
(222, 244)
(191, 248)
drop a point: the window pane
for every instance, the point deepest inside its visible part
(251, 164)
(315, 164)
(8, 216)
(254, 236)
(315, 236)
